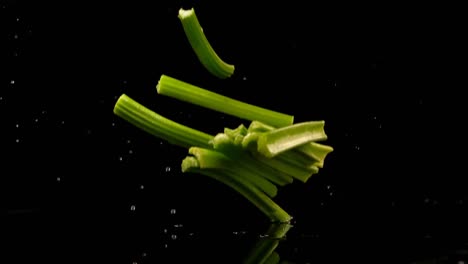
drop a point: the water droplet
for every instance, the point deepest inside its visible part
(58, 179)
(165, 245)
(178, 225)
(132, 208)
(120, 158)
(44, 112)
(144, 254)
(113, 124)
(17, 140)
(168, 169)
(12, 82)
(130, 152)
(165, 231)
(357, 147)
(36, 120)
(328, 187)
(331, 193)
(128, 141)
(244, 78)
(191, 234)
(173, 211)
(62, 122)
(1, 98)
(142, 187)
(17, 125)
(427, 200)
(15, 36)
(17, 19)
(173, 236)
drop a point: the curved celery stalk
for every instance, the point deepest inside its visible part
(212, 159)
(159, 126)
(205, 53)
(183, 91)
(264, 203)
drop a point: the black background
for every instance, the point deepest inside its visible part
(78, 183)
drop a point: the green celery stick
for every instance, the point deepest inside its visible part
(184, 91)
(202, 47)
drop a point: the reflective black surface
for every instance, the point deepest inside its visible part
(79, 183)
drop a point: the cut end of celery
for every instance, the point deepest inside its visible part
(184, 13)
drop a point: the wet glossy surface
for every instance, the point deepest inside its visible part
(79, 183)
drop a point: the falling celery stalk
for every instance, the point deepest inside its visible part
(245, 188)
(193, 94)
(253, 161)
(203, 49)
(159, 126)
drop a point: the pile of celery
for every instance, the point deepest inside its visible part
(255, 160)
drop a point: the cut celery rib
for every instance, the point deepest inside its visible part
(159, 126)
(204, 51)
(183, 91)
(282, 139)
(212, 159)
(264, 203)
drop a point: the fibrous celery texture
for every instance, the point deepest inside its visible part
(253, 160)
(193, 94)
(202, 47)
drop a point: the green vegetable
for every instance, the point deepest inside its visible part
(256, 160)
(272, 210)
(183, 91)
(279, 140)
(159, 126)
(205, 53)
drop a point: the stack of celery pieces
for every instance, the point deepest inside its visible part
(254, 160)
